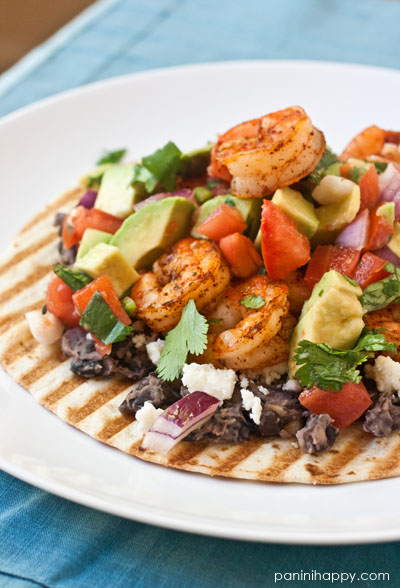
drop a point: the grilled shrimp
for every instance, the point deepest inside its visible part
(374, 141)
(299, 291)
(190, 269)
(387, 319)
(249, 338)
(267, 153)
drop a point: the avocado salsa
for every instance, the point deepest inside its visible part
(281, 305)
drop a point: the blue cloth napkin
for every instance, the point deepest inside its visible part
(48, 541)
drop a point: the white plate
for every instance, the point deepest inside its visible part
(44, 148)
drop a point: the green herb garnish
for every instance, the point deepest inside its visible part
(326, 160)
(163, 165)
(330, 368)
(101, 322)
(380, 294)
(253, 301)
(356, 173)
(351, 281)
(112, 157)
(75, 279)
(189, 336)
(380, 166)
(229, 200)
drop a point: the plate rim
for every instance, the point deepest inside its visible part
(162, 519)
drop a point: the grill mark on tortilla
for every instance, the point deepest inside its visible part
(114, 426)
(17, 350)
(331, 469)
(99, 399)
(134, 449)
(39, 273)
(28, 252)
(185, 453)
(66, 198)
(41, 369)
(10, 320)
(387, 465)
(239, 454)
(280, 462)
(63, 389)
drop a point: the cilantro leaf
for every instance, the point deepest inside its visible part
(189, 336)
(326, 160)
(329, 368)
(75, 279)
(356, 173)
(112, 157)
(253, 301)
(380, 294)
(164, 164)
(229, 200)
(101, 322)
(380, 166)
(143, 175)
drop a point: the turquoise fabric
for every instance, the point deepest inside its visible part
(48, 541)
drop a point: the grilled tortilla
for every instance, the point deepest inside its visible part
(92, 405)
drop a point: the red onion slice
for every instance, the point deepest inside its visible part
(386, 253)
(177, 421)
(389, 184)
(88, 199)
(355, 235)
(184, 193)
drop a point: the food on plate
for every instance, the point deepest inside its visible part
(233, 311)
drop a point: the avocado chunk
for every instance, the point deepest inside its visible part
(117, 195)
(298, 209)
(334, 217)
(250, 209)
(332, 315)
(386, 211)
(91, 237)
(195, 163)
(105, 259)
(93, 178)
(146, 234)
(394, 243)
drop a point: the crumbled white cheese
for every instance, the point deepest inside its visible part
(386, 374)
(139, 340)
(146, 416)
(292, 385)
(207, 378)
(263, 390)
(269, 374)
(154, 350)
(244, 382)
(252, 404)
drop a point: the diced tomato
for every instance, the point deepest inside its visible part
(344, 260)
(319, 264)
(101, 348)
(370, 270)
(331, 257)
(224, 221)
(344, 407)
(103, 285)
(59, 302)
(369, 189)
(81, 218)
(380, 229)
(284, 247)
(241, 255)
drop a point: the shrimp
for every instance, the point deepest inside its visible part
(190, 269)
(387, 319)
(249, 338)
(267, 153)
(374, 141)
(299, 291)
